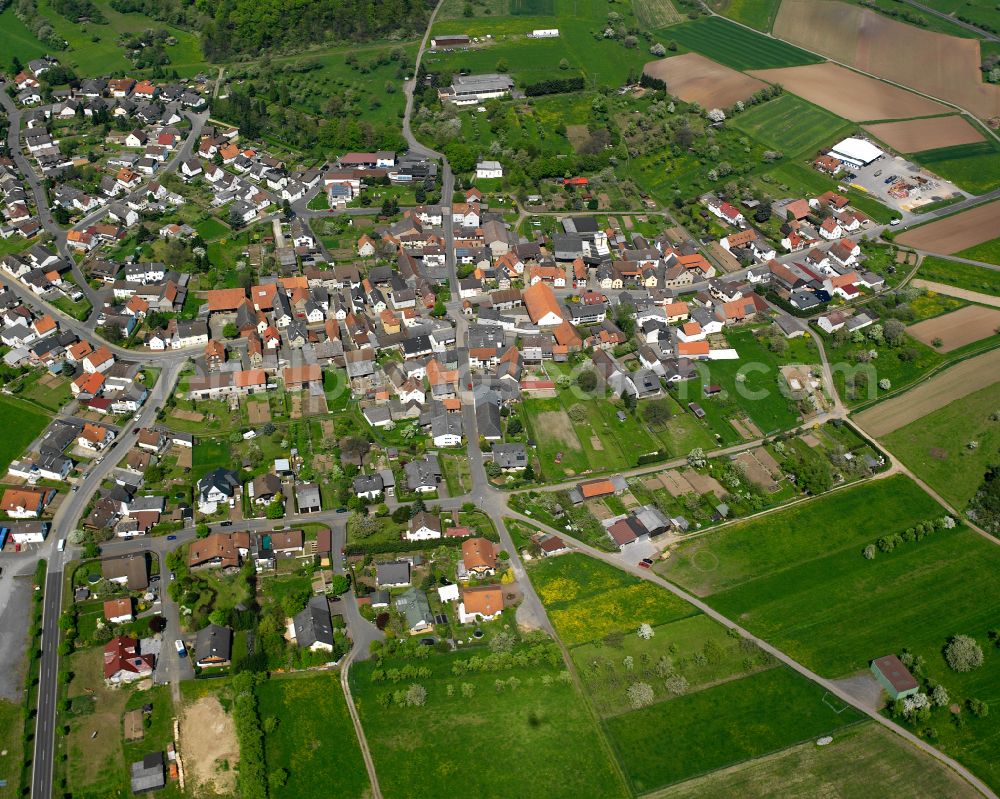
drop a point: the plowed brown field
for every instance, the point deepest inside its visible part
(849, 94)
(917, 135)
(696, 79)
(935, 63)
(958, 328)
(958, 232)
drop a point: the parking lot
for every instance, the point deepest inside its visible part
(911, 187)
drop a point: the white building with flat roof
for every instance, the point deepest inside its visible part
(472, 89)
(857, 152)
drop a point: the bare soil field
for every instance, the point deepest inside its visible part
(948, 386)
(935, 63)
(958, 328)
(578, 136)
(703, 483)
(954, 291)
(189, 416)
(696, 79)
(675, 483)
(208, 739)
(958, 232)
(259, 412)
(917, 135)
(756, 473)
(557, 425)
(848, 94)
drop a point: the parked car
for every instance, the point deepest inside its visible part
(225, 524)
(179, 645)
(171, 538)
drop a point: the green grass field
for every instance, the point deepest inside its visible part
(535, 739)
(982, 13)
(16, 40)
(588, 599)
(973, 167)
(936, 446)
(797, 579)
(601, 666)
(94, 49)
(720, 726)
(865, 760)
(790, 125)
(988, 252)
(766, 546)
(965, 276)
(735, 46)
(314, 740)
(22, 423)
(757, 14)
(888, 366)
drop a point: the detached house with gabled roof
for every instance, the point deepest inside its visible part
(423, 527)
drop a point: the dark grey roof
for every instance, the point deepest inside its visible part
(148, 774)
(213, 642)
(313, 624)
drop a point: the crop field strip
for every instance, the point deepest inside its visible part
(737, 47)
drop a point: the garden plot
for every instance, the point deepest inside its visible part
(956, 329)
(704, 484)
(696, 79)
(676, 484)
(849, 94)
(259, 412)
(756, 473)
(916, 135)
(958, 232)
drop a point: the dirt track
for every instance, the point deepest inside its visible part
(948, 386)
(848, 94)
(958, 328)
(917, 135)
(696, 79)
(954, 291)
(958, 232)
(935, 63)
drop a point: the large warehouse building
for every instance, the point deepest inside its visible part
(856, 152)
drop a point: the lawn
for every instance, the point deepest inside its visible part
(735, 46)
(936, 447)
(988, 251)
(591, 437)
(757, 14)
(535, 738)
(864, 760)
(588, 599)
(723, 725)
(965, 276)
(211, 453)
(16, 41)
(23, 423)
(791, 125)
(973, 167)
(314, 740)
